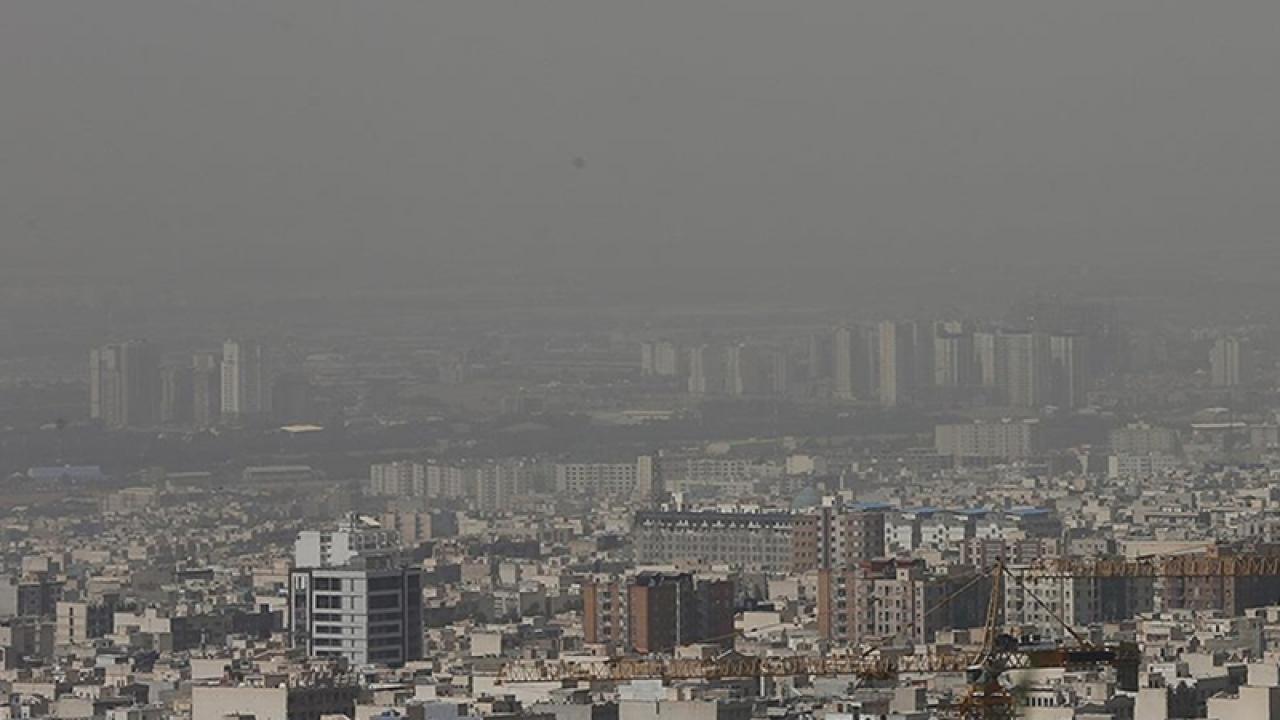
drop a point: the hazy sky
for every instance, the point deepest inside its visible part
(414, 134)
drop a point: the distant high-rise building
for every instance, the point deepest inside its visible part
(244, 379)
(1070, 358)
(1024, 363)
(735, 371)
(698, 370)
(176, 395)
(842, 364)
(124, 384)
(650, 484)
(897, 370)
(706, 371)
(922, 339)
(659, 358)
(206, 389)
(1098, 323)
(666, 359)
(984, 359)
(953, 357)
(820, 356)
(780, 371)
(401, 479)
(1228, 363)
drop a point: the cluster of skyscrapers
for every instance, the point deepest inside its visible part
(1036, 361)
(132, 386)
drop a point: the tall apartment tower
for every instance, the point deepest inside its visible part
(176, 394)
(820, 355)
(897, 367)
(651, 486)
(124, 384)
(735, 371)
(953, 358)
(1069, 355)
(922, 352)
(1023, 363)
(659, 358)
(647, 353)
(604, 614)
(206, 389)
(706, 371)
(666, 359)
(244, 379)
(842, 366)
(1228, 362)
(985, 362)
(698, 370)
(779, 371)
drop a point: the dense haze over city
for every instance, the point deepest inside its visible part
(711, 360)
(333, 145)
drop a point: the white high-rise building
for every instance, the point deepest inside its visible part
(397, 479)
(896, 363)
(706, 376)
(368, 610)
(1227, 363)
(244, 379)
(666, 359)
(984, 359)
(953, 357)
(1070, 370)
(780, 371)
(1023, 360)
(646, 358)
(734, 378)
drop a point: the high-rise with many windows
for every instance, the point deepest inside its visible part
(368, 611)
(244, 379)
(1228, 365)
(842, 364)
(1070, 374)
(124, 384)
(897, 366)
(206, 389)
(1023, 368)
(353, 597)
